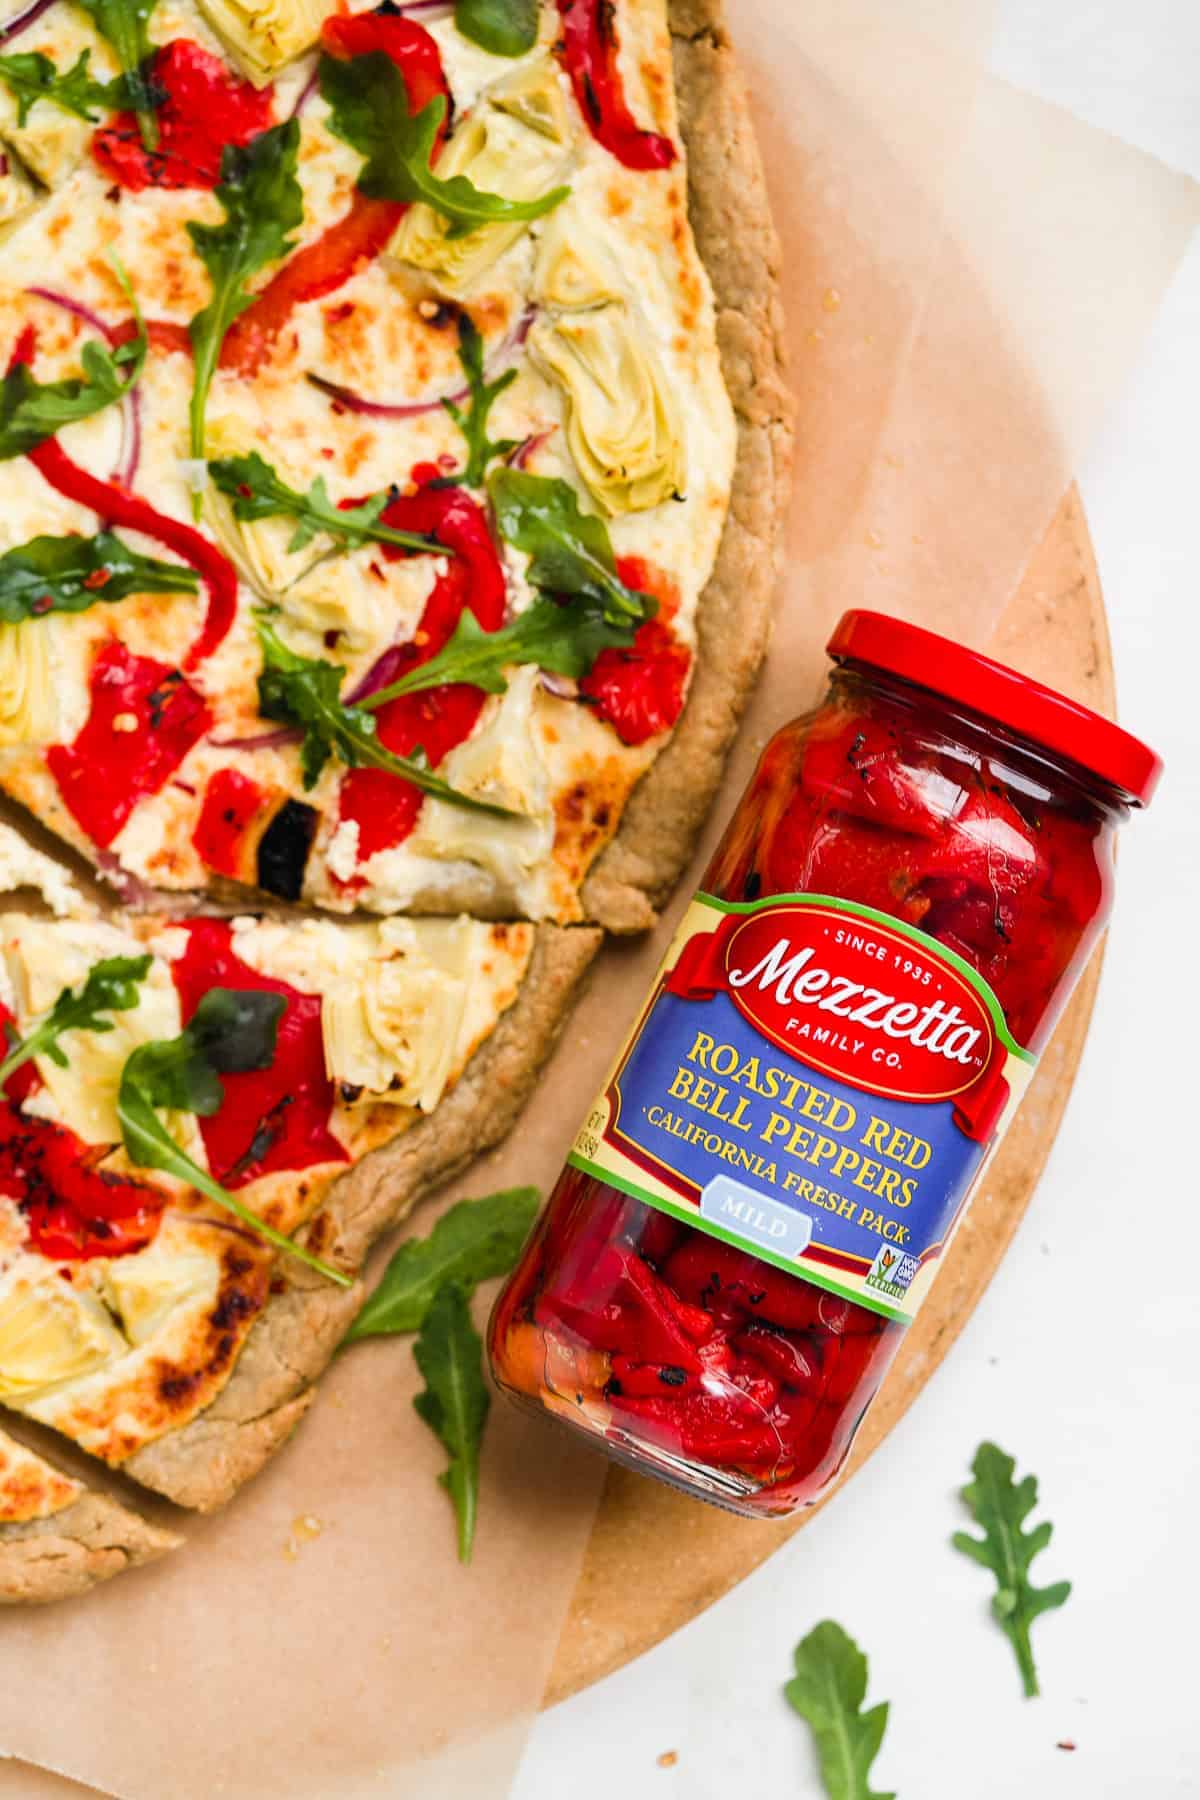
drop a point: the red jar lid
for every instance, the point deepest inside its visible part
(1023, 706)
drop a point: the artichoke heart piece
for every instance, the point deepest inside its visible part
(41, 961)
(318, 591)
(51, 143)
(145, 1290)
(18, 194)
(516, 142)
(261, 36)
(29, 710)
(502, 763)
(622, 427)
(394, 1038)
(574, 271)
(51, 1333)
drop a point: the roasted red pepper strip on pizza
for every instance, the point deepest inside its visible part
(366, 446)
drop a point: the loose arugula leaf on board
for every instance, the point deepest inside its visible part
(565, 638)
(30, 76)
(111, 986)
(231, 1030)
(262, 201)
(827, 1690)
(455, 1402)
(125, 25)
(472, 420)
(258, 492)
(505, 27)
(71, 574)
(32, 411)
(368, 104)
(474, 1241)
(571, 550)
(305, 691)
(1001, 1507)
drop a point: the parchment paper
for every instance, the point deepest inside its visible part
(968, 274)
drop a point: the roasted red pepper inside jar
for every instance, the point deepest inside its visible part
(738, 1380)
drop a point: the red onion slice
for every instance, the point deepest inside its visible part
(519, 458)
(263, 740)
(306, 93)
(386, 668)
(412, 409)
(130, 888)
(12, 28)
(130, 453)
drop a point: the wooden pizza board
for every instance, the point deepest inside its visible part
(656, 1559)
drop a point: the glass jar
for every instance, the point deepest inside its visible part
(759, 1201)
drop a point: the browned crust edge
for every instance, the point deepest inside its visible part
(731, 220)
(89, 1541)
(203, 1463)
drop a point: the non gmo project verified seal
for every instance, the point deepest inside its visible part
(891, 1273)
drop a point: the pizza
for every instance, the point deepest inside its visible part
(396, 444)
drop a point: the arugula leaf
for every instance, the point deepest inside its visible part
(472, 421)
(111, 986)
(472, 1242)
(1001, 1506)
(564, 637)
(231, 1030)
(30, 76)
(261, 197)
(368, 103)
(306, 691)
(505, 27)
(828, 1690)
(31, 411)
(124, 23)
(70, 574)
(571, 550)
(258, 492)
(454, 1404)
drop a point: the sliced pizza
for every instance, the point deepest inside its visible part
(184, 1101)
(368, 453)
(58, 1538)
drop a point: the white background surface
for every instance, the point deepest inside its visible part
(1092, 1384)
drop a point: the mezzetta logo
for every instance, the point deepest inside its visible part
(793, 980)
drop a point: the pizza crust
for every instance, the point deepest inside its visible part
(57, 1539)
(731, 221)
(206, 1461)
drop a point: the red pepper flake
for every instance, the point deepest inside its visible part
(1066, 1744)
(200, 107)
(97, 579)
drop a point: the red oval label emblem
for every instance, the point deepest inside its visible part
(860, 1001)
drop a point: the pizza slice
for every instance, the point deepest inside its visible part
(204, 1123)
(58, 1538)
(383, 563)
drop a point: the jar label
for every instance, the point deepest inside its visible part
(815, 1082)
